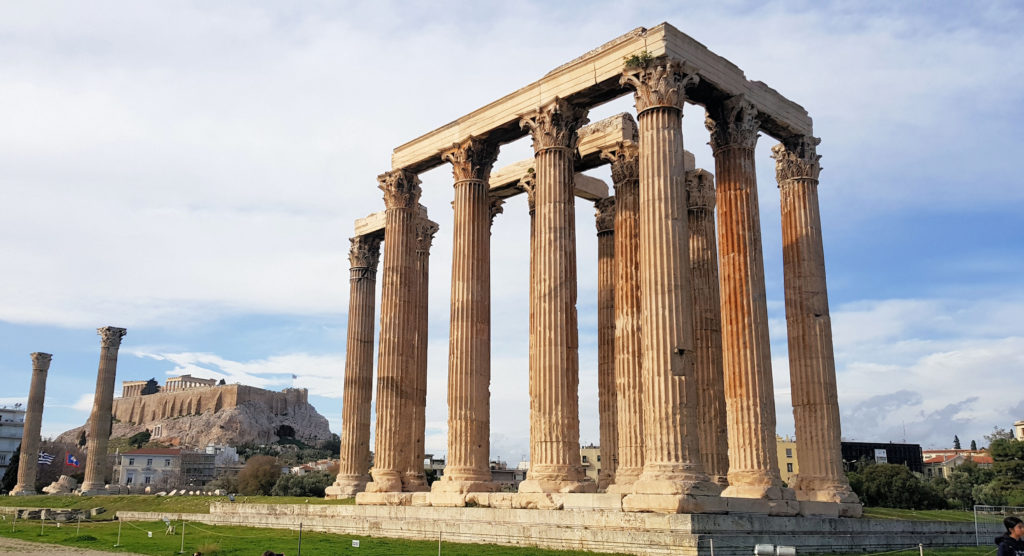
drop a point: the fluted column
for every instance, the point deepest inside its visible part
(397, 331)
(469, 359)
(606, 402)
(33, 421)
(625, 166)
(100, 418)
(414, 479)
(671, 459)
(746, 355)
(707, 326)
(529, 186)
(354, 463)
(554, 379)
(812, 366)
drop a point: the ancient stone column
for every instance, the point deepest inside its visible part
(746, 356)
(707, 326)
(354, 463)
(100, 419)
(554, 378)
(812, 367)
(625, 161)
(529, 186)
(397, 330)
(469, 358)
(605, 220)
(672, 463)
(414, 479)
(33, 421)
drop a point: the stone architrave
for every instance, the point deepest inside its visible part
(555, 464)
(354, 462)
(707, 326)
(606, 400)
(625, 167)
(414, 479)
(469, 359)
(100, 419)
(746, 356)
(672, 464)
(812, 366)
(397, 331)
(33, 421)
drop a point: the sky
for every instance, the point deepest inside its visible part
(191, 171)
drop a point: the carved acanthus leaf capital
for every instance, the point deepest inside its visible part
(41, 361)
(660, 84)
(554, 125)
(471, 159)
(495, 205)
(797, 158)
(401, 189)
(700, 190)
(425, 230)
(625, 161)
(110, 336)
(529, 185)
(604, 215)
(732, 123)
(364, 251)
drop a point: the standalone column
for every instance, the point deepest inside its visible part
(469, 356)
(99, 419)
(554, 379)
(812, 366)
(354, 464)
(672, 463)
(625, 163)
(414, 479)
(746, 356)
(33, 420)
(397, 330)
(707, 325)
(605, 220)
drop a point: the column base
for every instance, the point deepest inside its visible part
(414, 483)
(674, 504)
(759, 492)
(541, 486)
(20, 490)
(384, 481)
(670, 479)
(625, 478)
(463, 486)
(346, 487)
(820, 489)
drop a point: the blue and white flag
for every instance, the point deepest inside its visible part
(71, 460)
(45, 459)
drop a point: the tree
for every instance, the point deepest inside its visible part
(140, 439)
(998, 433)
(311, 484)
(956, 442)
(10, 478)
(974, 445)
(151, 387)
(894, 486)
(221, 383)
(259, 475)
(81, 438)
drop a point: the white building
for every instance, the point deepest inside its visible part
(12, 426)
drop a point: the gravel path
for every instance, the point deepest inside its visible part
(26, 548)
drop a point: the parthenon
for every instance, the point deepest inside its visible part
(687, 404)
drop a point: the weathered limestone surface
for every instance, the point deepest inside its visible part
(554, 375)
(96, 471)
(605, 220)
(397, 331)
(414, 480)
(354, 462)
(469, 360)
(746, 356)
(672, 463)
(26, 485)
(707, 325)
(812, 364)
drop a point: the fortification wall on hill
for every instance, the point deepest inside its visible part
(139, 410)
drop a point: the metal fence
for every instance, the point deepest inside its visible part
(992, 515)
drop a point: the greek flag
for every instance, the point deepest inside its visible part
(45, 459)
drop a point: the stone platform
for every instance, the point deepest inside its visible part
(592, 530)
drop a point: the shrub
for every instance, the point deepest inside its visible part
(259, 475)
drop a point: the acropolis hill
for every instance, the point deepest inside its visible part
(194, 412)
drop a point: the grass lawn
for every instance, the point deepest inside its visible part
(149, 503)
(213, 540)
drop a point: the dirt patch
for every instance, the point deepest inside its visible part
(26, 548)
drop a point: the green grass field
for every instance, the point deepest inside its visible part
(144, 503)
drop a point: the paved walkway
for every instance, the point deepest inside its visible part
(26, 548)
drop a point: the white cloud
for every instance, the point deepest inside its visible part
(84, 402)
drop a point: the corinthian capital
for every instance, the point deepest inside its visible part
(732, 123)
(471, 159)
(364, 251)
(625, 161)
(110, 336)
(554, 125)
(41, 361)
(660, 84)
(700, 190)
(605, 214)
(425, 230)
(529, 185)
(401, 189)
(495, 206)
(797, 158)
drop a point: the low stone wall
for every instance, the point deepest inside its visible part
(594, 530)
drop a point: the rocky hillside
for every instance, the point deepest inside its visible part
(249, 422)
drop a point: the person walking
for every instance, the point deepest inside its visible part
(1011, 544)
